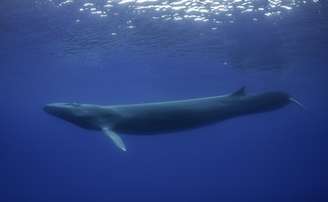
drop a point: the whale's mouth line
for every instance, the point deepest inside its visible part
(47, 108)
(53, 109)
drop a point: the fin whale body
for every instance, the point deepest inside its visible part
(165, 117)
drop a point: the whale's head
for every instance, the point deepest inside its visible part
(63, 110)
(83, 115)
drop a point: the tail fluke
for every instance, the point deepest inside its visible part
(297, 103)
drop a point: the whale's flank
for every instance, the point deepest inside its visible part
(166, 117)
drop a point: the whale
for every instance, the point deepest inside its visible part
(169, 116)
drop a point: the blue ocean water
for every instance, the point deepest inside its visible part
(124, 52)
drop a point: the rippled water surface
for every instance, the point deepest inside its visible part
(233, 32)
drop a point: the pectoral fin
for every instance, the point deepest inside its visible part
(115, 138)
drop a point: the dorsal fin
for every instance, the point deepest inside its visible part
(240, 92)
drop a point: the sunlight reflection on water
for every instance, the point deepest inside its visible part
(247, 34)
(190, 10)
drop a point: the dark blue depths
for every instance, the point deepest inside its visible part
(45, 56)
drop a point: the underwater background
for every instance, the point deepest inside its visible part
(135, 51)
